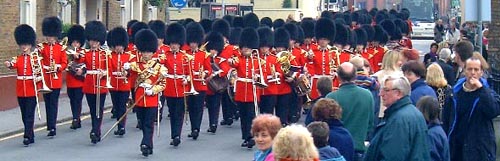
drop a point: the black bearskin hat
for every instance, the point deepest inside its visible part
(325, 28)
(278, 23)
(251, 20)
(342, 34)
(405, 13)
(214, 41)
(146, 41)
(391, 28)
(95, 30)
(373, 12)
(327, 14)
(266, 37)
(355, 17)
(117, 37)
(129, 25)
(281, 38)
(52, 26)
(194, 33)
(300, 35)
(238, 22)
(249, 38)
(266, 21)
(221, 26)
(308, 27)
(234, 39)
(292, 30)
(135, 28)
(353, 39)
(176, 34)
(228, 18)
(361, 36)
(76, 33)
(381, 35)
(402, 25)
(370, 32)
(158, 27)
(207, 25)
(24, 34)
(187, 21)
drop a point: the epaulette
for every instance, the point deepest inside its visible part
(207, 54)
(40, 45)
(236, 47)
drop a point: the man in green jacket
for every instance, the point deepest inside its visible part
(402, 133)
(357, 107)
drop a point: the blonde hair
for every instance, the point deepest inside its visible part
(390, 60)
(484, 63)
(435, 76)
(442, 45)
(294, 142)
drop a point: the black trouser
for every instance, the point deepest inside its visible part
(28, 105)
(96, 122)
(294, 114)
(162, 101)
(176, 109)
(283, 108)
(147, 115)
(267, 104)
(75, 100)
(247, 113)
(51, 103)
(228, 107)
(119, 99)
(195, 107)
(213, 106)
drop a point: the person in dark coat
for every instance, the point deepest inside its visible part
(468, 116)
(324, 87)
(320, 131)
(437, 139)
(329, 111)
(432, 56)
(402, 132)
(415, 72)
(444, 60)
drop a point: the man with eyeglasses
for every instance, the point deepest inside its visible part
(467, 116)
(402, 132)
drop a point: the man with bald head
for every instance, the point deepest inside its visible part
(357, 107)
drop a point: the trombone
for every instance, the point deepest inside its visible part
(108, 83)
(37, 70)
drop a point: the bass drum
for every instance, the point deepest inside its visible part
(231, 76)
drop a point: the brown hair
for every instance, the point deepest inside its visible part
(429, 107)
(326, 109)
(484, 63)
(266, 122)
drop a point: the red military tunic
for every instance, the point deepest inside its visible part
(152, 71)
(345, 56)
(370, 52)
(71, 80)
(119, 81)
(136, 57)
(244, 88)
(131, 47)
(283, 87)
(56, 54)
(95, 62)
(200, 64)
(309, 63)
(321, 60)
(377, 58)
(24, 83)
(176, 64)
(270, 79)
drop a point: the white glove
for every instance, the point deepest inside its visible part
(126, 66)
(148, 91)
(145, 85)
(185, 80)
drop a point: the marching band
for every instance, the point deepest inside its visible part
(272, 69)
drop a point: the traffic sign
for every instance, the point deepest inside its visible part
(178, 3)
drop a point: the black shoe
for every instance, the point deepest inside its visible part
(52, 133)
(194, 134)
(212, 129)
(75, 124)
(244, 144)
(250, 144)
(176, 141)
(226, 122)
(94, 138)
(120, 131)
(145, 150)
(28, 141)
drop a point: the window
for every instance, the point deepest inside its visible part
(28, 12)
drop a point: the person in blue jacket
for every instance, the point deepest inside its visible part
(437, 139)
(320, 131)
(415, 72)
(468, 116)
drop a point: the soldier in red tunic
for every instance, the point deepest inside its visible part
(118, 63)
(95, 75)
(272, 69)
(54, 62)
(361, 39)
(199, 68)
(247, 96)
(150, 83)
(325, 57)
(379, 41)
(370, 50)
(158, 27)
(26, 85)
(215, 45)
(177, 79)
(74, 83)
(282, 44)
(309, 44)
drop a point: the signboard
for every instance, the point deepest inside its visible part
(472, 7)
(231, 8)
(178, 3)
(216, 8)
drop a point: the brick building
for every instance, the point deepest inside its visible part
(15, 12)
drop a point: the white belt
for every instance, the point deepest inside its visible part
(200, 80)
(94, 72)
(246, 80)
(198, 73)
(48, 67)
(24, 77)
(319, 76)
(171, 76)
(116, 73)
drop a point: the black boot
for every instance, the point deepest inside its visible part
(176, 141)
(250, 144)
(194, 134)
(52, 133)
(212, 129)
(94, 138)
(228, 122)
(120, 131)
(244, 144)
(28, 141)
(146, 150)
(75, 124)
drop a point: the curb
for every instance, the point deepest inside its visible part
(39, 125)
